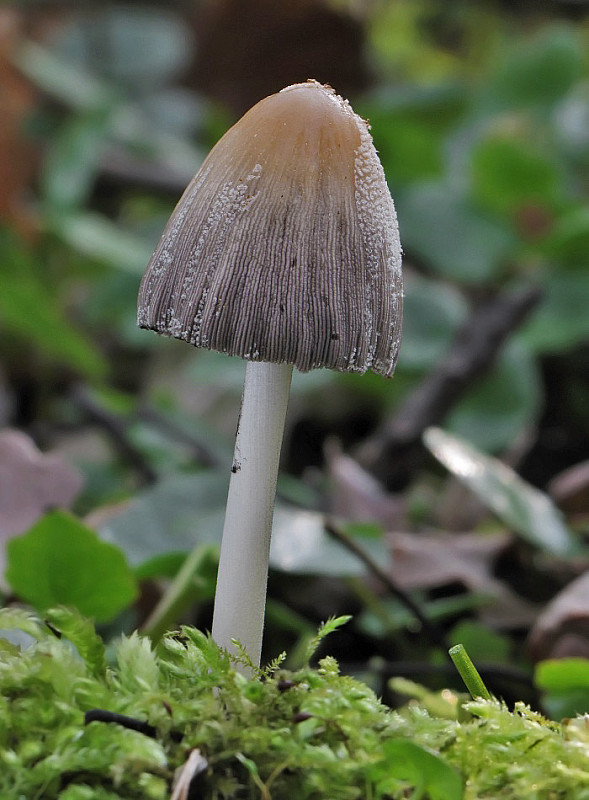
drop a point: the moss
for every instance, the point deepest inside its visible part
(308, 734)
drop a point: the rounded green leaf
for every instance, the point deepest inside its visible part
(60, 561)
(569, 240)
(507, 174)
(439, 226)
(185, 510)
(433, 311)
(562, 675)
(561, 321)
(537, 72)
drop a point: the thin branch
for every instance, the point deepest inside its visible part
(116, 429)
(198, 449)
(435, 633)
(394, 451)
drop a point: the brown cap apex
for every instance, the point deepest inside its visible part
(285, 246)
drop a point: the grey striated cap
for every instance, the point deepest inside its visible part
(285, 245)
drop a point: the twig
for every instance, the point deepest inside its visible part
(199, 451)
(394, 451)
(131, 723)
(101, 715)
(116, 428)
(435, 633)
(190, 776)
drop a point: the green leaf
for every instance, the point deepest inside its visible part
(563, 674)
(60, 561)
(539, 71)
(561, 321)
(172, 516)
(400, 42)
(525, 509)
(69, 84)
(566, 705)
(148, 46)
(508, 174)
(164, 566)
(499, 406)
(429, 774)
(301, 545)
(73, 159)
(565, 684)
(182, 511)
(568, 242)
(432, 313)
(95, 236)
(452, 237)
(409, 148)
(47, 329)
(409, 123)
(481, 643)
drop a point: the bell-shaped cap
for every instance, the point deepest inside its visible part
(285, 245)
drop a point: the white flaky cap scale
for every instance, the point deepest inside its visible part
(285, 245)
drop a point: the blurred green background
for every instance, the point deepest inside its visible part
(480, 113)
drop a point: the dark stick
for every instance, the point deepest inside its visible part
(435, 633)
(116, 429)
(100, 715)
(199, 451)
(395, 450)
(133, 724)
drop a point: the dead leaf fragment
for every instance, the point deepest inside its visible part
(357, 496)
(188, 774)
(565, 616)
(427, 561)
(570, 489)
(31, 483)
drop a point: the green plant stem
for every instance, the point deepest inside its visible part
(468, 673)
(181, 594)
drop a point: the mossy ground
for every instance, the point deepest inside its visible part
(278, 736)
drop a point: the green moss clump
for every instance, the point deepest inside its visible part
(311, 734)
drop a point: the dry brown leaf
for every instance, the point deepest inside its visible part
(31, 483)
(427, 561)
(563, 626)
(357, 496)
(570, 489)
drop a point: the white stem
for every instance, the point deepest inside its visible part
(240, 599)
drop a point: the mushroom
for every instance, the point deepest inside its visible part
(284, 250)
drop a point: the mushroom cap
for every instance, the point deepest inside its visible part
(285, 245)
